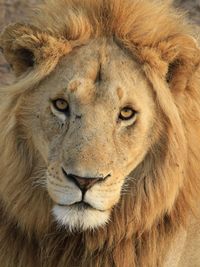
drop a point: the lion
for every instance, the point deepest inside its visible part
(99, 140)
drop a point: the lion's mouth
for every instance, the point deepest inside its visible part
(81, 206)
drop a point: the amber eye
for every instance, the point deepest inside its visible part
(61, 105)
(127, 113)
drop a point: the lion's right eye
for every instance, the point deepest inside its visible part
(127, 113)
(61, 105)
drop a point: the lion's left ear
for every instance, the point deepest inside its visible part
(182, 55)
(25, 47)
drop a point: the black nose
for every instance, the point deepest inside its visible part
(84, 183)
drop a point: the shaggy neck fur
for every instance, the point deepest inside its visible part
(163, 190)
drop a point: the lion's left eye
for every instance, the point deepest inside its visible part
(61, 105)
(127, 113)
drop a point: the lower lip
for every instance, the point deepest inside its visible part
(79, 205)
(83, 206)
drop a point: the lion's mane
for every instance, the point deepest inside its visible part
(165, 186)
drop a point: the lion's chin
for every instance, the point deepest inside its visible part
(76, 219)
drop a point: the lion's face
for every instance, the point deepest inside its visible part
(92, 121)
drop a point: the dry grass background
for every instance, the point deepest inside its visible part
(14, 10)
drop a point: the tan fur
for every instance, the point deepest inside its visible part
(148, 43)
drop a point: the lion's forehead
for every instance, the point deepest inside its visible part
(82, 71)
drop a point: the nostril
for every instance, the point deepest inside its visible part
(83, 183)
(86, 183)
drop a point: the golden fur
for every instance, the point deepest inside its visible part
(166, 192)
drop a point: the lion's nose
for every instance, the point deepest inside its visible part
(84, 183)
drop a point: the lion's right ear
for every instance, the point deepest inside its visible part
(26, 47)
(182, 55)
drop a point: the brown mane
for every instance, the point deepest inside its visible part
(167, 187)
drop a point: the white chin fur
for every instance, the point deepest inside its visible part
(76, 219)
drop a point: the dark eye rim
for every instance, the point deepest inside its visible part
(134, 113)
(66, 110)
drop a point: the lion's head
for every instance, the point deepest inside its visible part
(92, 121)
(96, 102)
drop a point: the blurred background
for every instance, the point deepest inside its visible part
(14, 10)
